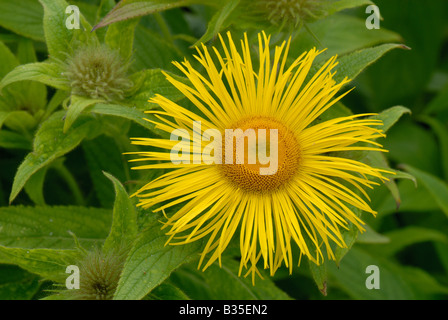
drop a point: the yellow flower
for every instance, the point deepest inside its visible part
(304, 203)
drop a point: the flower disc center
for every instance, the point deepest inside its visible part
(270, 157)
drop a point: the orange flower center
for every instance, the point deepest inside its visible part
(264, 156)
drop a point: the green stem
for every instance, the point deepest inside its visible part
(71, 183)
(163, 26)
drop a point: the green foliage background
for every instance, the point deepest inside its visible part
(64, 181)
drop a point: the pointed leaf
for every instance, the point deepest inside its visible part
(436, 187)
(58, 37)
(48, 263)
(48, 73)
(50, 143)
(22, 17)
(124, 222)
(150, 262)
(125, 10)
(352, 64)
(390, 116)
(76, 107)
(52, 227)
(319, 273)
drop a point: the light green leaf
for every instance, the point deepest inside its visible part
(50, 143)
(128, 113)
(52, 227)
(120, 36)
(44, 72)
(150, 262)
(22, 17)
(125, 10)
(336, 6)
(76, 107)
(9, 61)
(59, 38)
(352, 64)
(390, 116)
(48, 263)
(436, 187)
(124, 222)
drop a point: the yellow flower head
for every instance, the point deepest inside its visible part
(304, 202)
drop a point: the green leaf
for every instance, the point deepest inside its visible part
(436, 187)
(408, 73)
(50, 143)
(218, 21)
(167, 291)
(151, 261)
(319, 273)
(351, 276)
(153, 51)
(371, 236)
(48, 263)
(22, 17)
(127, 113)
(76, 107)
(52, 227)
(13, 140)
(349, 237)
(223, 283)
(442, 135)
(34, 187)
(17, 284)
(9, 61)
(336, 6)
(439, 103)
(125, 10)
(351, 65)
(411, 143)
(402, 238)
(19, 121)
(58, 37)
(120, 36)
(48, 73)
(103, 154)
(342, 34)
(124, 222)
(390, 116)
(155, 82)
